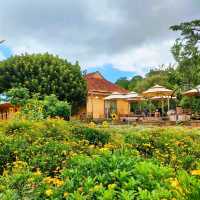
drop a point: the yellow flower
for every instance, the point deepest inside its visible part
(5, 172)
(105, 124)
(174, 183)
(104, 149)
(57, 182)
(65, 194)
(48, 180)
(98, 187)
(112, 186)
(49, 192)
(19, 164)
(196, 172)
(92, 125)
(109, 146)
(38, 172)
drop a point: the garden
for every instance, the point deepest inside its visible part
(58, 159)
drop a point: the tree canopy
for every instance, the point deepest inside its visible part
(186, 52)
(44, 74)
(123, 82)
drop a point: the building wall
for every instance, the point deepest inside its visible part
(95, 106)
(122, 107)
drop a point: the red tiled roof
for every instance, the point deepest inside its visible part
(97, 83)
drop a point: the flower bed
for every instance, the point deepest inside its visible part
(54, 159)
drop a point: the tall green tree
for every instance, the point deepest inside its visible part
(186, 52)
(44, 74)
(123, 82)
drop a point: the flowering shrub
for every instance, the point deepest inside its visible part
(55, 159)
(94, 136)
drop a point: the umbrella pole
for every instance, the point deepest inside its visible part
(162, 107)
(140, 106)
(168, 104)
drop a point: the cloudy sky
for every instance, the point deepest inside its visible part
(117, 37)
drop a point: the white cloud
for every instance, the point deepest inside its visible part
(131, 35)
(139, 60)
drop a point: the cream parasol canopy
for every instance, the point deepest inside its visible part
(157, 90)
(163, 97)
(115, 95)
(193, 92)
(134, 96)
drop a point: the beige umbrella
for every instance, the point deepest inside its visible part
(193, 92)
(133, 97)
(157, 90)
(115, 95)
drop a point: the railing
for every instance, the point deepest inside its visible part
(5, 115)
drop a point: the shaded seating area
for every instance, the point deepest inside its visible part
(6, 110)
(157, 93)
(195, 116)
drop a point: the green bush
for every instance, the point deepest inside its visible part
(94, 136)
(18, 96)
(53, 107)
(16, 126)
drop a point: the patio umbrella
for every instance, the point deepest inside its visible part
(193, 92)
(157, 90)
(115, 95)
(133, 96)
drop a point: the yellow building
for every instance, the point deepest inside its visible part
(97, 107)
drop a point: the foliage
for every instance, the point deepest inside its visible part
(186, 52)
(52, 159)
(53, 107)
(18, 96)
(123, 82)
(94, 136)
(44, 74)
(191, 102)
(35, 109)
(159, 76)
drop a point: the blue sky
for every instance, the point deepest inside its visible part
(5, 51)
(111, 73)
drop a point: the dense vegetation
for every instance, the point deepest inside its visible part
(35, 108)
(44, 74)
(55, 159)
(180, 77)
